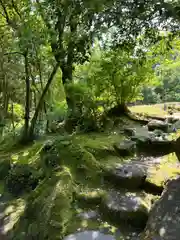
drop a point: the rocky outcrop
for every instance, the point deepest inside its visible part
(156, 147)
(125, 207)
(133, 176)
(152, 143)
(130, 176)
(164, 220)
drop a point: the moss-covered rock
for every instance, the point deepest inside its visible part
(77, 158)
(91, 197)
(128, 175)
(164, 220)
(48, 210)
(125, 207)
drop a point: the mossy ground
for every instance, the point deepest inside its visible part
(169, 168)
(82, 158)
(84, 170)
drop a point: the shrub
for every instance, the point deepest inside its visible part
(21, 178)
(85, 112)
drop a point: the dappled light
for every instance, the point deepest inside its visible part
(89, 120)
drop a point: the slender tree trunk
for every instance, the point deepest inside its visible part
(27, 100)
(12, 112)
(47, 120)
(45, 105)
(41, 101)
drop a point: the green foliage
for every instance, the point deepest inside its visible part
(21, 178)
(150, 95)
(85, 110)
(5, 166)
(115, 76)
(168, 78)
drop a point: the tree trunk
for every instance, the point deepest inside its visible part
(118, 111)
(41, 101)
(12, 112)
(67, 76)
(27, 100)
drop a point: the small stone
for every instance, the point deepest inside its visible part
(88, 215)
(89, 235)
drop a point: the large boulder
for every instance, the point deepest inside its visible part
(126, 148)
(160, 125)
(153, 143)
(156, 147)
(164, 220)
(130, 176)
(125, 207)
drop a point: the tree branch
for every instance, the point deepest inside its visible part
(5, 12)
(15, 8)
(11, 53)
(8, 20)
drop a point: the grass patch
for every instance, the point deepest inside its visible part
(169, 169)
(150, 110)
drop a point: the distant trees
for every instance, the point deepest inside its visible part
(45, 40)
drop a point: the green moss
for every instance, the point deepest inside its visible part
(90, 198)
(48, 210)
(166, 170)
(77, 158)
(103, 140)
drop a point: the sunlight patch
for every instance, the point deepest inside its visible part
(162, 231)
